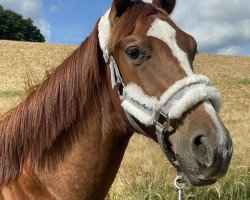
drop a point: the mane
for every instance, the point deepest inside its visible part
(43, 127)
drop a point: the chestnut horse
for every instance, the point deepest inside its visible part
(67, 137)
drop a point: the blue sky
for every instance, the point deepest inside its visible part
(219, 27)
(72, 20)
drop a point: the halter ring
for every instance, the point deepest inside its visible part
(179, 183)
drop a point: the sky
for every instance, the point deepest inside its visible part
(219, 27)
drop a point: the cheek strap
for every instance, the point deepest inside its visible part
(116, 79)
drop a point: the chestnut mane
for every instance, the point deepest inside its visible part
(43, 127)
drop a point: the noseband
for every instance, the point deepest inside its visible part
(159, 112)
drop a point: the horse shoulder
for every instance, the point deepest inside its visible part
(27, 187)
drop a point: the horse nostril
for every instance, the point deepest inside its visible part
(202, 151)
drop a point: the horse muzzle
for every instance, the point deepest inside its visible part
(207, 160)
(180, 97)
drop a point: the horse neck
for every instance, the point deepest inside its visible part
(76, 132)
(90, 167)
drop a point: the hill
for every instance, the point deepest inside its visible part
(230, 74)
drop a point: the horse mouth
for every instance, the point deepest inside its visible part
(188, 172)
(192, 177)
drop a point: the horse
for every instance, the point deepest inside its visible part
(133, 74)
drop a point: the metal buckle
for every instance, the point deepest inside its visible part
(163, 122)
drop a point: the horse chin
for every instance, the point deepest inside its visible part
(192, 178)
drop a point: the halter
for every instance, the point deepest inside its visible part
(159, 112)
(150, 111)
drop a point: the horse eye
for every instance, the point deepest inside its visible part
(134, 53)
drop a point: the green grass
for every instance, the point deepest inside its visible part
(235, 186)
(244, 81)
(11, 94)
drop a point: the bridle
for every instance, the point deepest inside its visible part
(158, 112)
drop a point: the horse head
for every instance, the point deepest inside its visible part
(151, 63)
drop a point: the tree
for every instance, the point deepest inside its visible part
(14, 27)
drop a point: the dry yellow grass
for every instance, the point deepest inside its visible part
(143, 158)
(17, 59)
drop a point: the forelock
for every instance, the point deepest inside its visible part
(125, 24)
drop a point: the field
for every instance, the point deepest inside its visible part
(145, 173)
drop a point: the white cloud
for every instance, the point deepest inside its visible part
(53, 8)
(218, 26)
(60, 5)
(30, 9)
(45, 28)
(232, 50)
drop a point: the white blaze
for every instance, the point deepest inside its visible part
(220, 130)
(165, 32)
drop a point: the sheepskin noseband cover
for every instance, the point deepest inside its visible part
(176, 100)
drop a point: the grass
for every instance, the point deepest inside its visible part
(145, 173)
(153, 180)
(11, 94)
(244, 81)
(233, 186)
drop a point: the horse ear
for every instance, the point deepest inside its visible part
(167, 5)
(118, 8)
